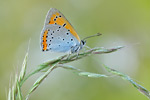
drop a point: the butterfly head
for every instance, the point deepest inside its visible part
(78, 47)
(83, 42)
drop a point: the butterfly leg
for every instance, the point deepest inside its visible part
(84, 49)
(77, 53)
(68, 56)
(87, 47)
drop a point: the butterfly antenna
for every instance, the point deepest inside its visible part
(98, 34)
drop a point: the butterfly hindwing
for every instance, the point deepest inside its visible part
(57, 38)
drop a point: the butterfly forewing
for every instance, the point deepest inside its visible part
(58, 34)
(56, 17)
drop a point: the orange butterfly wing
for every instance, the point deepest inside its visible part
(56, 17)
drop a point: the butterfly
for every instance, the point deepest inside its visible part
(58, 35)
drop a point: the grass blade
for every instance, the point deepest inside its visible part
(40, 80)
(19, 90)
(92, 75)
(10, 94)
(23, 69)
(126, 77)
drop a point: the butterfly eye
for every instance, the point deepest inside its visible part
(83, 42)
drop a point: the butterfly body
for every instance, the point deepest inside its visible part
(58, 35)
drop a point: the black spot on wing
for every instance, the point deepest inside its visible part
(64, 25)
(67, 33)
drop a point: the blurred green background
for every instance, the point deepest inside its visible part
(122, 22)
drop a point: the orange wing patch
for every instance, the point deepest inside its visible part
(44, 43)
(60, 20)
